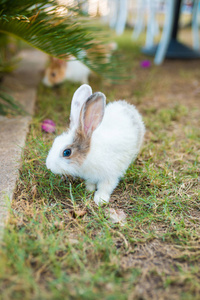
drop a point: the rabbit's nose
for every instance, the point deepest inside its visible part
(46, 81)
(51, 165)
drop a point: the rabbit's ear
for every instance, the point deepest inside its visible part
(92, 113)
(57, 62)
(52, 58)
(80, 97)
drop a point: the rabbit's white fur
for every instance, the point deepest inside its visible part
(74, 71)
(114, 144)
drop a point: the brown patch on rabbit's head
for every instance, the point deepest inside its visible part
(55, 72)
(91, 115)
(79, 148)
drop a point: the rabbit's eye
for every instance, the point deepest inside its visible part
(67, 152)
(53, 74)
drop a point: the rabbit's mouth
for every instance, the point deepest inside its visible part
(57, 85)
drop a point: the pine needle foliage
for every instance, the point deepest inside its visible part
(56, 30)
(8, 105)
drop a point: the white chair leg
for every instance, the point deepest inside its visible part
(195, 25)
(85, 6)
(152, 25)
(140, 19)
(113, 5)
(122, 16)
(166, 35)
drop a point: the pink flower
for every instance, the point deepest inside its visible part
(48, 126)
(145, 63)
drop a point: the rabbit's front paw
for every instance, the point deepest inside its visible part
(101, 199)
(91, 187)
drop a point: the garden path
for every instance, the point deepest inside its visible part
(22, 85)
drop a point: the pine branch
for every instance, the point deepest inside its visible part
(40, 24)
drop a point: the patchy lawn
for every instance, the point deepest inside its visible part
(50, 252)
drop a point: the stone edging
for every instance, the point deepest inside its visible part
(22, 84)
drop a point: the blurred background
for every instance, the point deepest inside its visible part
(161, 29)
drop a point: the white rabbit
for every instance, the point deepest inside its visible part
(100, 143)
(60, 70)
(73, 69)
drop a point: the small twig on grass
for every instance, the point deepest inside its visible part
(33, 159)
(38, 273)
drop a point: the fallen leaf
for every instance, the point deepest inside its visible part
(116, 216)
(59, 225)
(73, 241)
(77, 213)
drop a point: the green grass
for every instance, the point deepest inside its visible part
(48, 253)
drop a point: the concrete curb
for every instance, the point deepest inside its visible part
(22, 84)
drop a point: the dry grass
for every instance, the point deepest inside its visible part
(51, 252)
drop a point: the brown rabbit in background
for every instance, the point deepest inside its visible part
(74, 70)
